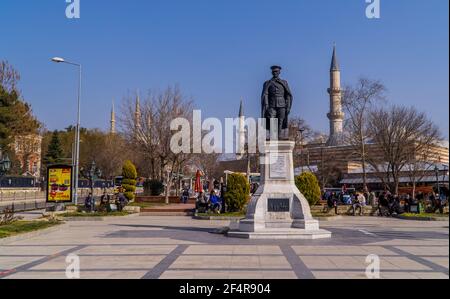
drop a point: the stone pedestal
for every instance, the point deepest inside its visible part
(278, 210)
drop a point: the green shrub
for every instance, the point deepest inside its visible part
(153, 187)
(130, 195)
(237, 194)
(129, 185)
(129, 174)
(129, 170)
(308, 185)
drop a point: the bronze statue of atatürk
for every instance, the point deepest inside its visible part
(277, 101)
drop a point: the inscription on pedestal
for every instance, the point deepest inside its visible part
(278, 205)
(278, 166)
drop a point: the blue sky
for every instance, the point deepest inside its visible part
(220, 50)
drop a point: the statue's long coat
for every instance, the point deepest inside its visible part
(265, 102)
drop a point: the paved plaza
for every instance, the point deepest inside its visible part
(153, 247)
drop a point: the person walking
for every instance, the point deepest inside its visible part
(89, 203)
(383, 204)
(408, 203)
(436, 203)
(185, 196)
(372, 198)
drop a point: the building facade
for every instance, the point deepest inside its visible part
(338, 164)
(27, 150)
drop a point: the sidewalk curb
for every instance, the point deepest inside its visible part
(99, 218)
(83, 219)
(421, 218)
(328, 218)
(212, 218)
(30, 235)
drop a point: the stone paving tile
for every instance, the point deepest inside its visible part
(349, 262)
(234, 249)
(247, 275)
(430, 275)
(397, 275)
(323, 262)
(202, 262)
(343, 256)
(252, 249)
(413, 275)
(378, 250)
(411, 242)
(126, 249)
(83, 275)
(9, 263)
(276, 262)
(104, 262)
(425, 250)
(401, 263)
(383, 275)
(72, 241)
(186, 274)
(339, 275)
(230, 262)
(269, 250)
(210, 249)
(441, 261)
(278, 275)
(342, 250)
(33, 251)
(359, 263)
(246, 262)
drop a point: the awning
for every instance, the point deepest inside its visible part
(427, 179)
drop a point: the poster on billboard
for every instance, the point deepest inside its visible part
(59, 183)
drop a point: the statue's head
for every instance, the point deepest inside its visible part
(276, 71)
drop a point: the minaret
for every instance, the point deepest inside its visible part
(241, 145)
(336, 116)
(113, 120)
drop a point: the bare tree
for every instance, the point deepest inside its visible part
(112, 154)
(302, 134)
(8, 76)
(417, 168)
(328, 172)
(357, 101)
(208, 164)
(147, 127)
(299, 131)
(399, 133)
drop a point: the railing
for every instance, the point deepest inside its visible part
(34, 200)
(20, 195)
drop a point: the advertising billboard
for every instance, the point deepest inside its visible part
(59, 183)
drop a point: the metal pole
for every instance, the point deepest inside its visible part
(301, 151)
(77, 141)
(437, 180)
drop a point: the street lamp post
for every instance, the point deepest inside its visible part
(76, 163)
(445, 173)
(247, 152)
(91, 174)
(301, 130)
(5, 165)
(436, 169)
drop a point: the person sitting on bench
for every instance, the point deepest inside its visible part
(215, 204)
(201, 205)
